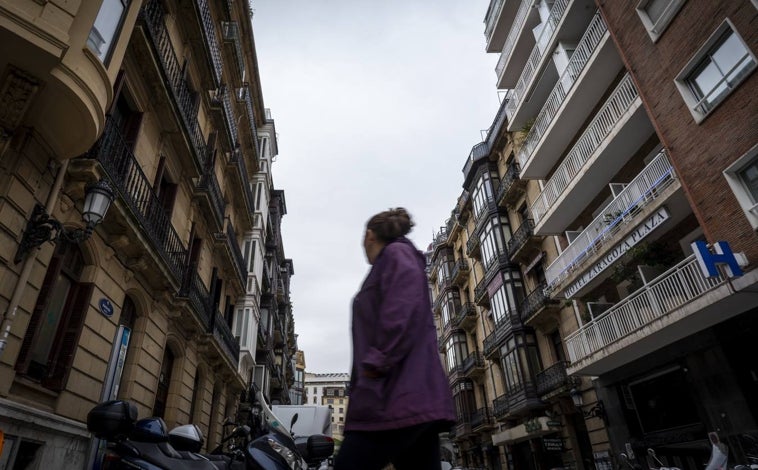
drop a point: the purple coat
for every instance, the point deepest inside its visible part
(394, 336)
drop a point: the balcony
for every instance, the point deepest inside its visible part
(202, 17)
(500, 407)
(674, 305)
(183, 99)
(208, 191)
(250, 113)
(481, 297)
(590, 71)
(139, 206)
(537, 302)
(231, 34)
(523, 244)
(472, 246)
(478, 152)
(198, 296)
(463, 427)
(223, 335)
(440, 239)
(517, 45)
(511, 187)
(237, 163)
(461, 271)
(646, 189)
(522, 399)
(493, 341)
(497, 263)
(554, 380)
(232, 249)
(500, 15)
(608, 142)
(465, 316)
(473, 365)
(481, 419)
(484, 215)
(224, 102)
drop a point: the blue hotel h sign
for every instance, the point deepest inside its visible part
(722, 255)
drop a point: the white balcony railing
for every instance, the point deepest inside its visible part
(513, 34)
(492, 17)
(589, 42)
(643, 190)
(545, 38)
(671, 290)
(606, 119)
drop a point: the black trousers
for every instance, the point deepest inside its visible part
(412, 448)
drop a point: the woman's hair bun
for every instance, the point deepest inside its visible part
(391, 224)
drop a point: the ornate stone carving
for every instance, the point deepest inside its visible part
(16, 92)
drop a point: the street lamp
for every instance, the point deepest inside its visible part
(597, 411)
(42, 227)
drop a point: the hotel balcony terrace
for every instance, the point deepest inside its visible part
(653, 186)
(590, 71)
(608, 142)
(676, 304)
(517, 45)
(500, 15)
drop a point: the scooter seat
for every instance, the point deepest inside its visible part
(164, 456)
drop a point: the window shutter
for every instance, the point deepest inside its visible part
(67, 337)
(53, 269)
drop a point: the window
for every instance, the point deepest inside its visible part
(657, 14)
(51, 338)
(164, 379)
(742, 177)
(106, 27)
(715, 71)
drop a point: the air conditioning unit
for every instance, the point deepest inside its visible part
(598, 309)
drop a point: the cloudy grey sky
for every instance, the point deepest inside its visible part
(377, 104)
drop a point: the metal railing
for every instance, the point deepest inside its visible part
(472, 244)
(125, 173)
(481, 417)
(225, 338)
(211, 42)
(513, 35)
(671, 290)
(231, 237)
(209, 184)
(521, 236)
(554, 377)
(466, 309)
(493, 340)
(231, 122)
(643, 190)
(581, 56)
(460, 269)
(238, 159)
(510, 177)
(492, 15)
(231, 34)
(532, 64)
(472, 361)
(500, 406)
(497, 123)
(198, 295)
(251, 119)
(440, 238)
(478, 151)
(601, 126)
(533, 302)
(480, 293)
(185, 99)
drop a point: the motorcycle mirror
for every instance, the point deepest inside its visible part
(623, 456)
(651, 453)
(294, 420)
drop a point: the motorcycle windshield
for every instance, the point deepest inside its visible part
(270, 420)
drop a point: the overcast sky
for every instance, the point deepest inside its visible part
(377, 104)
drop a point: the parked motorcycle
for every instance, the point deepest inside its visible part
(146, 444)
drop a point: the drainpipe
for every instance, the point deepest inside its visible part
(26, 269)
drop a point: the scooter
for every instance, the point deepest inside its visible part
(146, 444)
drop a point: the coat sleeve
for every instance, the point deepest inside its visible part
(402, 288)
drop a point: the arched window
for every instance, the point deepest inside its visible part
(164, 380)
(51, 338)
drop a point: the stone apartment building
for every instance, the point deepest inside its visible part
(330, 390)
(578, 317)
(179, 297)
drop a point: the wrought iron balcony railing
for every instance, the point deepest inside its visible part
(671, 290)
(509, 184)
(198, 295)
(131, 184)
(472, 245)
(481, 417)
(474, 361)
(229, 119)
(231, 34)
(555, 378)
(500, 406)
(481, 297)
(493, 341)
(212, 48)
(184, 98)
(208, 185)
(234, 247)
(249, 110)
(238, 160)
(537, 300)
(223, 335)
(460, 271)
(520, 237)
(465, 312)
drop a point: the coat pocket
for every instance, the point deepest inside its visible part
(368, 399)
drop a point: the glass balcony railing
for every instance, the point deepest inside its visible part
(642, 191)
(581, 56)
(671, 290)
(535, 58)
(593, 137)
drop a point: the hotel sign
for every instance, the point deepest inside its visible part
(612, 255)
